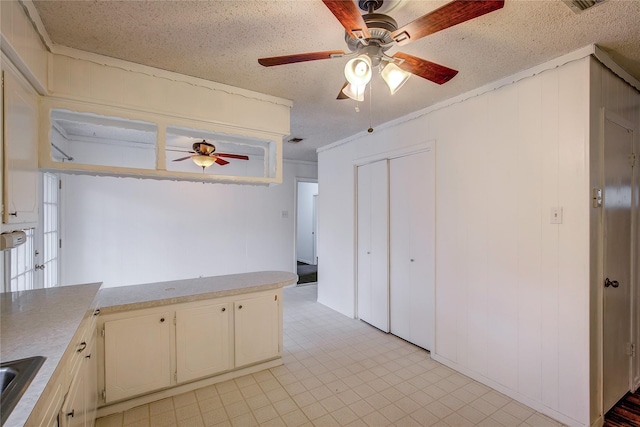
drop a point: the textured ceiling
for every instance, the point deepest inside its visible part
(222, 40)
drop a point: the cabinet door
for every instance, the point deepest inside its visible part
(373, 251)
(137, 355)
(412, 243)
(257, 329)
(202, 341)
(20, 141)
(72, 413)
(90, 370)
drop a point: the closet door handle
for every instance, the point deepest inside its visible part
(612, 283)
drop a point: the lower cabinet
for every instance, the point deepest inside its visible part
(153, 349)
(202, 341)
(79, 407)
(256, 329)
(137, 355)
(73, 409)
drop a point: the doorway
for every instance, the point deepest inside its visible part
(307, 231)
(618, 342)
(34, 265)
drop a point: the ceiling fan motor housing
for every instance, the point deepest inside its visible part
(380, 27)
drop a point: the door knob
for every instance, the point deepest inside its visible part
(612, 283)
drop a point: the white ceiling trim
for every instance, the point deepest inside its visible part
(608, 62)
(36, 21)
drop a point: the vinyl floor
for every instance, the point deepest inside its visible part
(338, 372)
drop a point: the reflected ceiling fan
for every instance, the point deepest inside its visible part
(204, 155)
(369, 36)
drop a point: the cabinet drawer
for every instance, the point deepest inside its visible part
(80, 344)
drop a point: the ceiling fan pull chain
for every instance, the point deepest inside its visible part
(370, 107)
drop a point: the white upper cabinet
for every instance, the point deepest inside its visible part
(20, 146)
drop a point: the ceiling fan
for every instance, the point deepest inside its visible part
(204, 155)
(369, 36)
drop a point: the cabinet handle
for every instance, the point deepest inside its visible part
(88, 356)
(96, 312)
(162, 320)
(13, 214)
(239, 307)
(224, 309)
(72, 413)
(83, 345)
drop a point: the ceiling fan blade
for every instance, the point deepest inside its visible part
(298, 57)
(221, 162)
(181, 151)
(444, 17)
(181, 159)
(232, 156)
(349, 16)
(426, 69)
(341, 94)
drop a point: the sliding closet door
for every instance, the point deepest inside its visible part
(412, 242)
(373, 259)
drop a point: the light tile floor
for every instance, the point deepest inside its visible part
(338, 372)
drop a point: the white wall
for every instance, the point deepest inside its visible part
(304, 230)
(512, 290)
(124, 231)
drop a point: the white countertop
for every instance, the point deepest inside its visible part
(134, 297)
(41, 322)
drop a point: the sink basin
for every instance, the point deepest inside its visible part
(15, 377)
(7, 375)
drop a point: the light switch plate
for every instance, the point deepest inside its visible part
(556, 215)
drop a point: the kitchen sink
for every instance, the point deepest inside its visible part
(15, 377)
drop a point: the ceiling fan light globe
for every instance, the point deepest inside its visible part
(355, 92)
(203, 161)
(394, 76)
(358, 70)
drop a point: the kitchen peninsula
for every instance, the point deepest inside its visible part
(148, 342)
